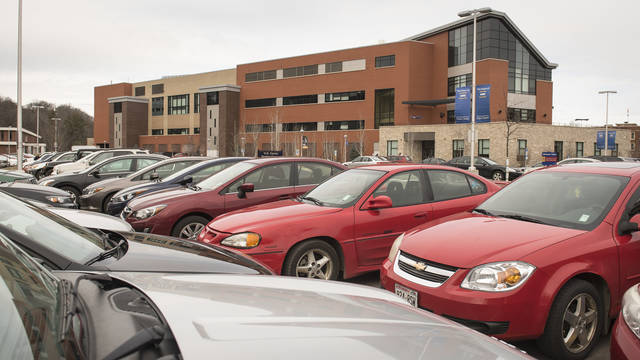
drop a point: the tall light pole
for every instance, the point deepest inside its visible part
(345, 147)
(242, 149)
(38, 107)
(606, 120)
(19, 110)
(474, 13)
(55, 142)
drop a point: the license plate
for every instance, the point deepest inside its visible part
(411, 296)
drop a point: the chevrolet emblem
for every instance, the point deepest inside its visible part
(420, 266)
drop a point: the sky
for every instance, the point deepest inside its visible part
(71, 46)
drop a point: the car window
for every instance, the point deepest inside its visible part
(167, 169)
(208, 171)
(143, 163)
(100, 157)
(121, 153)
(67, 157)
(447, 184)
(477, 187)
(359, 158)
(480, 161)
(266, 177)
(464, 161)
(313, 173)
(403, 189)
(115, 166)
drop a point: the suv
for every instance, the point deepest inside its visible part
(93, 158)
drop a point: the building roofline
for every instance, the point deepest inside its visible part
(16, 129)
(227, 87)
(495, 14)
(127, 99)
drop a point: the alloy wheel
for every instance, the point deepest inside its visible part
(579, 322)
(315, 263)
(191, 231)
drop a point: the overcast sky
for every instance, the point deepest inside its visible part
(70, 46)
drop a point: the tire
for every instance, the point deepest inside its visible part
(189, 227)
(105, 202)
(497, 175)
(298, 259)
(587, 327)
(72, 190)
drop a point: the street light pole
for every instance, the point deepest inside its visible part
(55, 143)
(344, 145)
(38, 107)
(242, 149)
(19, 110)
(474, 13)
(606, 120)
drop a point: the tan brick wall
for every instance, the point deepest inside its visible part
(540, 138)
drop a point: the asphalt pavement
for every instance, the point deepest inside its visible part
(601, 351)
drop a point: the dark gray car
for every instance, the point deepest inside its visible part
(44, 194)
(97, 195)
(114, 167)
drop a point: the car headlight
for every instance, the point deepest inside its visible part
(242, 240)
(395, 247)
(631, 309)
(93, 190)
(498, 276)
(47, 182)
(148, 212)
(60, 199)
(37, 166)
(128, 196)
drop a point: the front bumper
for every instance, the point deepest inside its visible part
(115, 208)
(512, 315)
(624, 343)
(89, 202)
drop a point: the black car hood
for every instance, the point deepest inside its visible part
(156, 253)
(20, 189)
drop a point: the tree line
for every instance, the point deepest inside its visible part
(74, 128)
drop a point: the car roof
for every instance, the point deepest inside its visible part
(407, 166)
(605, 168)
(267, 160)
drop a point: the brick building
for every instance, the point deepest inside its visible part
(9, 141)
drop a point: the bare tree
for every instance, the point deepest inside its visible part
(275, 119)
(253, 131)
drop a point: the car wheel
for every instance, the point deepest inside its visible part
(312, 259)
(73, 190)
(574, 322)
(189, 227)
(105, 202)
(497, 175)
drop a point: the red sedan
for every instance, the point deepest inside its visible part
(347, 224)
(625, 337)
(185, 211)
(545, 258)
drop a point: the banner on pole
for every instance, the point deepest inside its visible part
(463, 105)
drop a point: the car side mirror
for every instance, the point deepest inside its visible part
(380, 202)
(186, 180)
(154, 176)
(244, 189)
(95, 174)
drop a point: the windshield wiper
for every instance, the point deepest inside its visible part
(313, 200)
(107, 253)
(522, 218)
(483, 211)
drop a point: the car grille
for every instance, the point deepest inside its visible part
(422, 271)
(125, 213)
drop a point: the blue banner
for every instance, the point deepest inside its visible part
(550, 158)
(482, 103)
(611, 142)
(463, 105)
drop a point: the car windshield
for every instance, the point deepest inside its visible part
(489, 161)
(19, 219)
(179, 174)
(344, 189)
(225, 175)
(565, 199)
(29, 300)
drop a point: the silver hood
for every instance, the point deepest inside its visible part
(249, 317)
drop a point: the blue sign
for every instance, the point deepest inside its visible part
(463, 105)
(482, 103)
(611, 142)
(550, 158)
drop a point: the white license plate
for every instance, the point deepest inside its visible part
(411, 296)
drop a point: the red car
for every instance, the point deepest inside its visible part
(185, 211)
(625, 339)
(347, 224)
(545, 258)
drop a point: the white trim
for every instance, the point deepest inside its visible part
(459, 70)
(415, 279)
(227, 87)
(128, 99)
(521, 101)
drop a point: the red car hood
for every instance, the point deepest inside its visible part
(281, 213)
(160, 197)
(466, 240)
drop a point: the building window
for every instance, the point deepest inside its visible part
(157, 106)
(256, 128)
(140, 91)
(521, 115)
(614, 152)
(558, 148)
(157, 131)
(392, 147)
(456, 82)
(596, 151)
(385, 61)
(196, 103)
(178, 131)
(633, 135)
(384, 106)
(579, 149)
(333, 67)
(157, 89)
(304, 126)
(344, 125)
(451, 116)
(260, 102)
(344, 96)
(215, 140)
(178, 104)
(483, 147)
(460, 45)
(215, 122)
(300, 71)
(117, 108)
(212, 98)
(522, 148)
(300, 99)
(633, 146)
(260, 75)
(196, 130)
(458, 148)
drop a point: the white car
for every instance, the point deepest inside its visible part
(365, 160)
(566, 161)
(93, 159)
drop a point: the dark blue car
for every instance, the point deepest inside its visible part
(192, 174)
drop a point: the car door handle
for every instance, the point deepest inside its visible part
(420, 214)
